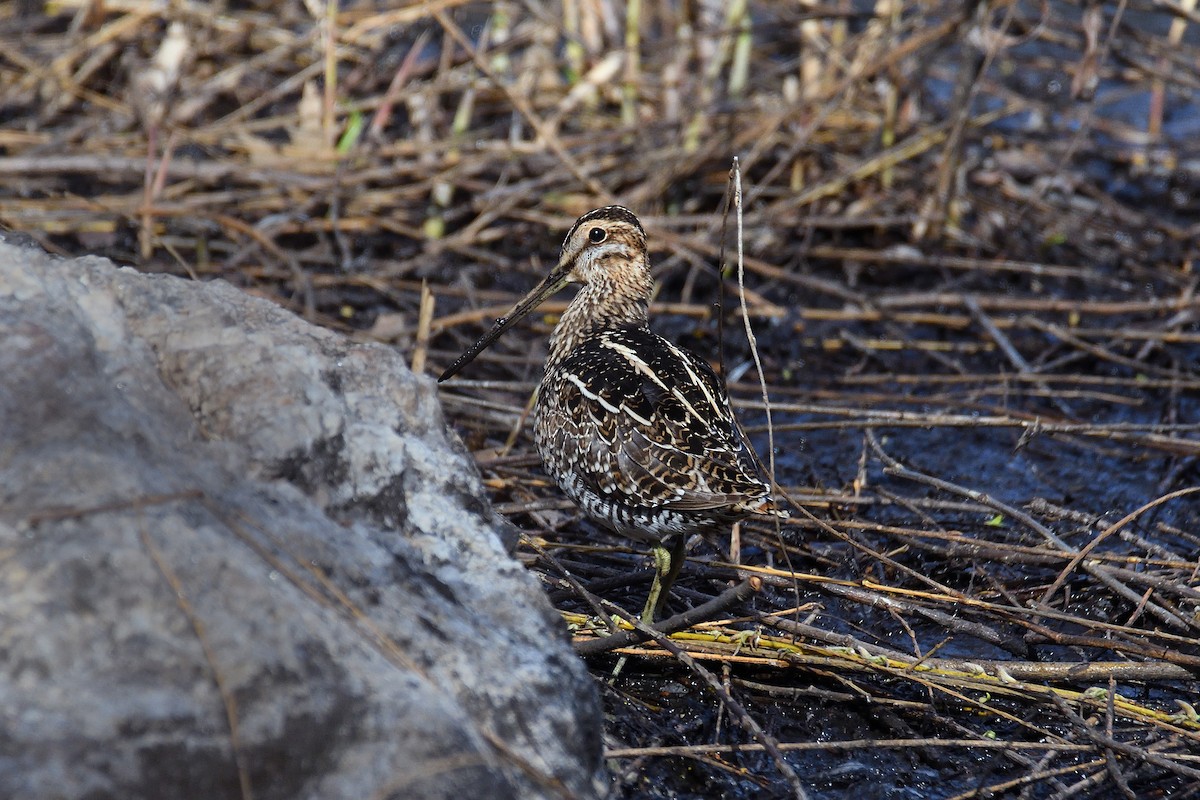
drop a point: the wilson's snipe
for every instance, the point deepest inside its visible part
(635, 430)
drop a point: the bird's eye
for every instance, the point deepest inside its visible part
(597, 235)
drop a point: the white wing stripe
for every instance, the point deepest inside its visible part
(589, 394)
(695, 379)
(641, 366)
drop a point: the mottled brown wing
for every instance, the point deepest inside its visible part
(656, 425)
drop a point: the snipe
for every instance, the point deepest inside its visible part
(634, 429)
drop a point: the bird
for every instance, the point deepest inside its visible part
(636, 430)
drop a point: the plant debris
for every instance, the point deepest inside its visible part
(971, 242)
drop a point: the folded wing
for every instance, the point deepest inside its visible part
(652, 426)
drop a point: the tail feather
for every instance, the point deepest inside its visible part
(764, 507)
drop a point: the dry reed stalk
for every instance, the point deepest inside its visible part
(1030, 370)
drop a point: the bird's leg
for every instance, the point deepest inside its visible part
(667, 563)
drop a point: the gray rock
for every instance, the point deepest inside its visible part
(241, 556)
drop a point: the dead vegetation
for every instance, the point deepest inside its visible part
(971, 241)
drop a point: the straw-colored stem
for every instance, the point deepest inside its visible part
(633, 40)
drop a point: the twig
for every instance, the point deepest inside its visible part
(735, 708)
(1097, 571)
(732, 596)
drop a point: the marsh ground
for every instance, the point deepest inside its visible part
(971, 239)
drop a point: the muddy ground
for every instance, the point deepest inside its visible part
(971, 236)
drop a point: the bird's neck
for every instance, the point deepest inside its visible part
(601, 306)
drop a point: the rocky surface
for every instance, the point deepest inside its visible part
(240, 556)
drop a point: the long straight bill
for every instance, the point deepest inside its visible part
(556, 280)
